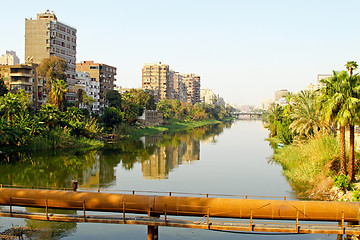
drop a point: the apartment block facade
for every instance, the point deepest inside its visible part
(91, 89)
(9, 58)
(157, 77)
(45, 37)
(23, 77)
(180, 90)
(101, 73)
(192, 83)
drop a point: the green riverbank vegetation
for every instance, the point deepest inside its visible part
(60, 124)
(314, 136)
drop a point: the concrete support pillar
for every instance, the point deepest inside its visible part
(153, 233)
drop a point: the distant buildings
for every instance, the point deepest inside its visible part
(192, 83)
(101, 73)
(45, 37)
(156, 77)
(169, 84)
(9, 58)
(209, 97)
(266, 103)
(280, 94)
(180, 89)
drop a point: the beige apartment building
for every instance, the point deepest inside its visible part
(280, 94)
(45, 37)
(192, 83)
(102, 73)
(180, 90)
(23, 77)
(157, 77)
(9, 58)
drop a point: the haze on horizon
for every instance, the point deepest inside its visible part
(243, 50)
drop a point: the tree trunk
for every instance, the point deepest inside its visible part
(342, 150)
(352, 152)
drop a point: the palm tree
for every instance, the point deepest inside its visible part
(333, 107)
(58, 90)
(289, 98)
(353, 82)
(275, 114)
(306, 120)
(350, 66)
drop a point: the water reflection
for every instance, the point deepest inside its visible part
(158, 156)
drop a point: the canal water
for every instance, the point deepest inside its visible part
(232, 158)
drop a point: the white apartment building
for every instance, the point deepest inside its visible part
(91, 88)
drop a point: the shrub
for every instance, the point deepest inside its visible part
(343, 182)
(356, 196)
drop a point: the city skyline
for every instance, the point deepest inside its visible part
(244, 51)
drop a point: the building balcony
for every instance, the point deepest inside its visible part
(20, 74)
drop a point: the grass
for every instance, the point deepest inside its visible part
(305, 164)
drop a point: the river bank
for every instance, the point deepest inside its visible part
(171, 126)
(61, 138)
(311, 167)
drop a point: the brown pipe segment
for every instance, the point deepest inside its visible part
(184, 206)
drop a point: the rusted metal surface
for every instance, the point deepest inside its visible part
(183, 206)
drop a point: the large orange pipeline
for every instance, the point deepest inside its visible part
(184, 206)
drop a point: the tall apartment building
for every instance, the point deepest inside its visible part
(192, 83)
(101, 73)
(45, 37)
(9, 58)
(180, 91)
(22, 77)
(157, 77)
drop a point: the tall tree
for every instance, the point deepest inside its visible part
(352, 91)
(80, 96)
(57, 94)
(350, 66)
(306, 120)
(289, 99)
(338, 103)
(50, 69)
(113, 98)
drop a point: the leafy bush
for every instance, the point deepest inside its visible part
(343, 182)
(356, 196)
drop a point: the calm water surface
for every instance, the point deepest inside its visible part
(229, 158)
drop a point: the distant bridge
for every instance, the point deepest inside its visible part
(250, 114)
(156, 209)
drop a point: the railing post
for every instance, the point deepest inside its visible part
(297, 221)
(46, 209)
(84, 211)
(343, 223)
(165, 214)
(208, 216)
(124, 221)
(251, 219)
(10, 208)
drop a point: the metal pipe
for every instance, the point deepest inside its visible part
(184, 206)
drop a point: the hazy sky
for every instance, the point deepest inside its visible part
(243, 50)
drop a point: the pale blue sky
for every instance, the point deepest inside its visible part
(243, 50)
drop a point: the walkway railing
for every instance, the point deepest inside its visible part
(157, 210)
